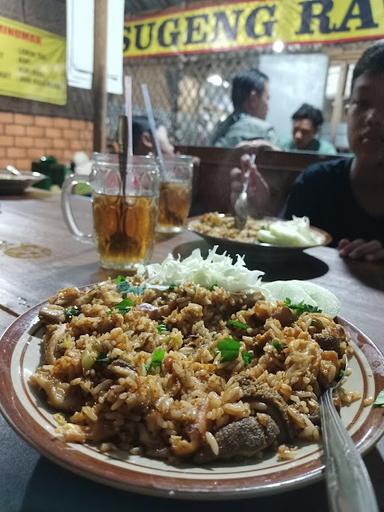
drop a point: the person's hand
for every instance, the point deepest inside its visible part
(258, 194)
(360, 249)
(257, 145)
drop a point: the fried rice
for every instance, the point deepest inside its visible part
(219, 225)
(185, 372)
(296, 232)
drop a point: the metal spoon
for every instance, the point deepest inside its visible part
(348, 484)
(122, 134)
(241, 204)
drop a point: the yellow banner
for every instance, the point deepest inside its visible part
(32, 63)
(239, 24)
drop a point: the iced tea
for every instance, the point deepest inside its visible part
(174, 204)
(124, 229)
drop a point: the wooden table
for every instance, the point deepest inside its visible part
(29, 482)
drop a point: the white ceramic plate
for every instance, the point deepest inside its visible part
(241, 246)
(32, 419)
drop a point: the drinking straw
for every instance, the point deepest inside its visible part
(128, 112)
(122, 136)
(124, 133)
(152, 125)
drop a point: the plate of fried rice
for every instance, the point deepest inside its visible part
(258, 234)
(188, 380)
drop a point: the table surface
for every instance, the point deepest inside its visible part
(38, 256)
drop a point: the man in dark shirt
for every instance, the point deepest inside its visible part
(345, 197)
(324, 194)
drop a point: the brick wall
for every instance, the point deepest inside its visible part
(24, 138)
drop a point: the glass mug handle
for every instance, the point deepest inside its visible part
(66, 208)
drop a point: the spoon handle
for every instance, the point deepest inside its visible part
(348, 483)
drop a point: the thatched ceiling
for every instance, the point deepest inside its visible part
(137, 6)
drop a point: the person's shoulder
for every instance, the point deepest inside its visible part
(286, 144)
(248, 127)
(219, 132)
(252, 121)
(326, 147)
(336, 166)
(330, 171)
(245, 128)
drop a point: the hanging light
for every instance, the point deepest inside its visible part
(215, 80)
(278, 46)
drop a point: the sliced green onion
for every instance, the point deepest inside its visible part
(301, 307)
(236, 324)
(161, 328)
(71, 312)
(277, 345)
(156, 360)
(229, 349)
(102, 359)
(124, 306)
(247, 357)
(125, 288)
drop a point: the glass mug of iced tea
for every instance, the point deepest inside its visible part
(175, 193)
(124, 218)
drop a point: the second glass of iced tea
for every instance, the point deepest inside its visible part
(175, 193)
(124, 217)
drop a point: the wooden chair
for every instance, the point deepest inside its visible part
(212, 177)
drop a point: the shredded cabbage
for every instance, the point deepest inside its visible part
(221, 270)
(290, 233)
(216, 269)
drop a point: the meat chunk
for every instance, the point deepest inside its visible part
(330, 338)
(53, 337)
(52, 314)
(276, 407)
(60, 395)
(65, 297)
(241, 439)
(284, 315)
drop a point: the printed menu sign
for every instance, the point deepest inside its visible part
(32, 63)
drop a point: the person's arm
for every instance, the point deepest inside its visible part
(258, 194)
(306, 200)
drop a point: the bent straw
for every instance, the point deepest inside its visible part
(152, 125)
(128, 112)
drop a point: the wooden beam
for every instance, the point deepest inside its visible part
(99, 85)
